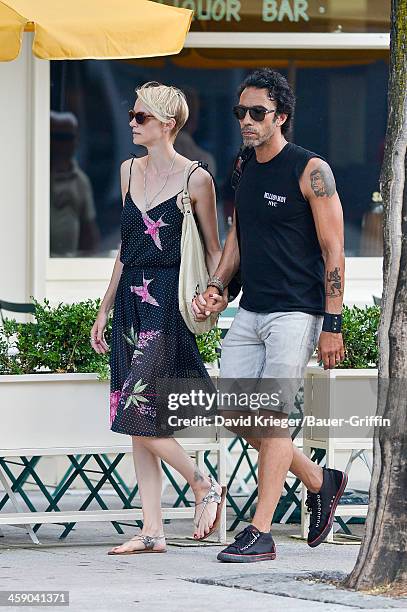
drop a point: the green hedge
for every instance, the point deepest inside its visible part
(359, 329)
(59, 341)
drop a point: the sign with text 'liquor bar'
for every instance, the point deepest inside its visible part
(287, 15)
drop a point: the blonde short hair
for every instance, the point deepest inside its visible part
(165, 102)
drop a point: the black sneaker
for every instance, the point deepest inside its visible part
(250, 545)
(322, 505)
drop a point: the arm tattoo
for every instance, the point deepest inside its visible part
(322, 181)
(333, 283)
(197, 475)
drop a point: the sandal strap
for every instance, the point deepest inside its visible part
(148, 541)
(211, 496)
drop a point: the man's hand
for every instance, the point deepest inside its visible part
(330, 349)
(209, 301)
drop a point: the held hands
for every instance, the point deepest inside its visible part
(207, 302)
(97, 337)
(330, 349)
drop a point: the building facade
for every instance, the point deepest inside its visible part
(65, 133)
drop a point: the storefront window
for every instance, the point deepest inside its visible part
(341, 114)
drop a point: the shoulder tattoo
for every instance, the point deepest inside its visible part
(322, 181)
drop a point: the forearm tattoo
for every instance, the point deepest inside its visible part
(197, 475)
(333, 283)
(322, 181)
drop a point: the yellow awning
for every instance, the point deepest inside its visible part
(92, 29)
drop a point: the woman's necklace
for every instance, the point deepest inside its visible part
(148, 205)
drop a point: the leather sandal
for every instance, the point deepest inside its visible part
(149, 543)
(212, 496)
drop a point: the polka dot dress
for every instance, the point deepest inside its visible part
(150, 343)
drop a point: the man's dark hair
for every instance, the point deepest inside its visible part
(278, 88)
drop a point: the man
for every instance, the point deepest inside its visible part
(292, 267)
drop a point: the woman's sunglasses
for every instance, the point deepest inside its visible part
(140, 117)
(257, 113)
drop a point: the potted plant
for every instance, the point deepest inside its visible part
(348, 392)
(349, 389)
(54, 389)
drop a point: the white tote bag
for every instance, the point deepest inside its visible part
(193, 274)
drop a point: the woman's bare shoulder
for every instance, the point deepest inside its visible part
(135, 163)
(200, 178)
(125, 165)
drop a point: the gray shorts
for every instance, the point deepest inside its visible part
(276, 346)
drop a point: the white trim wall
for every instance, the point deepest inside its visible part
(40, 175)
(288, 40)
(15, 174)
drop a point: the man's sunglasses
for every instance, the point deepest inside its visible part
(257, 113)
(140, 117)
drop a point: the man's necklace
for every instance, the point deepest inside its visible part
(148, 204)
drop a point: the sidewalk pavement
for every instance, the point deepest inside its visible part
(188, 577)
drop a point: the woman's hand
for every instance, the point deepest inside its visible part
(97, 337)
(207, 302)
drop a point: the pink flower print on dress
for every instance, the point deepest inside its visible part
(147, 410)
(114, 402)
(145, 337)
(144, 293)
(153, 228)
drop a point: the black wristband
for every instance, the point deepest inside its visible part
(332, 323)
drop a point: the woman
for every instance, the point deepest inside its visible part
(149, 337)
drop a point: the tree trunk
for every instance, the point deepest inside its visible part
(382, 558)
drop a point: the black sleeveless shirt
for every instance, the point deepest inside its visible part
(281, 260)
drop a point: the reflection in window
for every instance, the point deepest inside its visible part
(340, 114)
(74, 231)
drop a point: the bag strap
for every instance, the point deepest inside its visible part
(241, 159)
(186, 198)
(244, 154)
(189, 170)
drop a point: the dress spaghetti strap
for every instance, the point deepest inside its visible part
(128, 186)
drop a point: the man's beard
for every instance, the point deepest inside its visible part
(254, 141)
